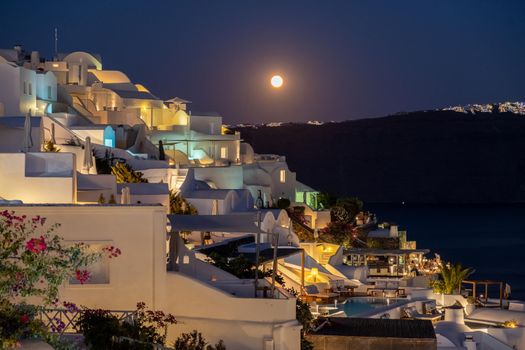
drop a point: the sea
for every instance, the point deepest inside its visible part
(487, 238)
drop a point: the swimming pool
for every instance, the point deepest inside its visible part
(353, 307)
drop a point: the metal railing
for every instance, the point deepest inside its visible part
(64, 321)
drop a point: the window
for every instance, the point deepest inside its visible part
(224, 152)
(30, 89)
(99, 270)
(49, 97)
(25, 88)
(282, 175)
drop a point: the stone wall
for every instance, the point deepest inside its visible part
(331, 342)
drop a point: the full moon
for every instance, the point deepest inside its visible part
(277, 81)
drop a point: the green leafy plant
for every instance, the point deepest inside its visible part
(34, 262)
(450, 278)
(179, 205)
(102, 330)
(240, 267)
(338, 233)
(18, 322)
(344, 210)
(326, 200)
(125, 174)
(98, 327)
(195, 341)
(101, 199)
(49, 146)
(283, 203)
(305, 318)
(104, 163)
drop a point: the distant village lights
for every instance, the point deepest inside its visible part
(277, 81)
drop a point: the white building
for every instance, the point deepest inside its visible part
(23, 90)
(38, 177)
(219, 310)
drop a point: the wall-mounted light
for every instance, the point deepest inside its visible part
(314, 272)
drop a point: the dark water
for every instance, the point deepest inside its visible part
(488, 238)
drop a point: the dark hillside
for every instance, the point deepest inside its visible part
(423, 157)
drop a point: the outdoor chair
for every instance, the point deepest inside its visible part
(485, 303)
(387, 289)
(411, 313)
(338, 286)
(313, 294)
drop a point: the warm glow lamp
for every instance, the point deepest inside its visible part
(314, 272)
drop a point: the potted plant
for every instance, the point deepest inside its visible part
(471, 305)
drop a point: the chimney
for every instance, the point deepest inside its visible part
(35, 59)
(394, 231)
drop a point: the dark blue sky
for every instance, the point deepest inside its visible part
(340, 59)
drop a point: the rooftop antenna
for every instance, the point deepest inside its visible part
(56, 43)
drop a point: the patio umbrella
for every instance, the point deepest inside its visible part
(162, 155)
(28, 140)
(53, 140)
(125, 196)
(88, 154)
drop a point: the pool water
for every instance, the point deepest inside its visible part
(357, 306)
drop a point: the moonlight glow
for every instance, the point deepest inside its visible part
(277, 81)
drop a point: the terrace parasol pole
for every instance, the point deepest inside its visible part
(274, 269)
(257, 251)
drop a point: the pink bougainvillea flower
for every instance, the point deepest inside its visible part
(24, 319)
(36, 245)
(82, 276)
(112, 251)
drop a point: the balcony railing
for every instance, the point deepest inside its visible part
(63, 321)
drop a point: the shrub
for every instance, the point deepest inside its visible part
(450, 278)
(18, 322)
(125, 174)
(102, 330)
(283, 203)
(104, 163)
(98, 327)
(34, 262)
(305, 318)
(195, 341)
(179, 205)
(49, 146)
(240, 267)
(101, 199)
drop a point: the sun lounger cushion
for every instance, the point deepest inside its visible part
(380, 284)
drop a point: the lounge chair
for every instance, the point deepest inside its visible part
(378, 288)
(486, 303)
(411, 313)
(313, 294)
(385, 289)
(338, 286)
(314, 309)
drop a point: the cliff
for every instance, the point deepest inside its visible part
(419, 157)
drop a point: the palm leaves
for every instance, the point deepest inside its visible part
(452, 276)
